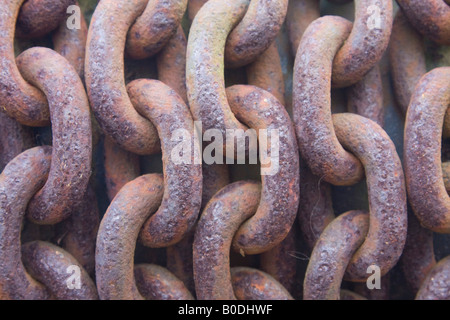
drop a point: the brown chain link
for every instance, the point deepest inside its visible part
(92, 211)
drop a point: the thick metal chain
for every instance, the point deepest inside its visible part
(199, 148)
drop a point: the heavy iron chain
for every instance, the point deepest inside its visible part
(183, 234)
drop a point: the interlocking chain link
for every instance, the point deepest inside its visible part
(227, 149)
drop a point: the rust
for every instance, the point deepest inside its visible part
(118, 233)
(14, 139)
(71, 44)
(72, 134)
(20, 180)
(299, 16)
(50, 265)
(422, 150)
(387, 194)
(317, 140)
(366, 97)
(315, 210)
(205, 79)
(332, 254)
(171, 64)
(215, 177)
(265, 72)
(418, 256)
(121, 167)
(255, 32)
(407, 59)
(365, 44)
(280, 188)
(180, 262)
(157, 283)
(218, 223)
(104, 75)
(19, 99)
(435, 285)
(280, 262)
(79, 232)
(182, 181)
(431, 18)
(253, 284)
(39, 17)
(154, 28)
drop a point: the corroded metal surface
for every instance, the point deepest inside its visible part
(72, 134)
(317, 140)
(49, 265)
(154, 28)
(104, 75)
(220, 220)
(280, 187)
(365, 44)
(255, 32)
(386, 190)
(422, 150)
(182, 181)
(431, 18)
(157, 283)
(253, 284)
(435, 285)
(20, 180)
(332, 254)
(118, 233)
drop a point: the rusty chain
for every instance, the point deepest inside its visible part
(199, 149)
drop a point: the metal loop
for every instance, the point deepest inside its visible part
(253, 284)
(315, 209)
(255, 32)
(280, 186)
(53, 267)
(280, 263)
(300, 14)
(118, 233)
(22, 101)
(221, 218)
(365, 44)
(366, 97)
(316, 136)
(78, 233)
(422, 150)
(332, 254)
(20, 180)
(265, 72)
(14, 139)
(418, 255)
(182, 181)
(104, 74)
(154, 27)
(205, 79)
(157, 283)
(435, 285)
(387, 194)
(431, 18)
(121, 167)
(39, 17)
(72, 134)
(71, 44)
(46, 263)
(407, 59)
